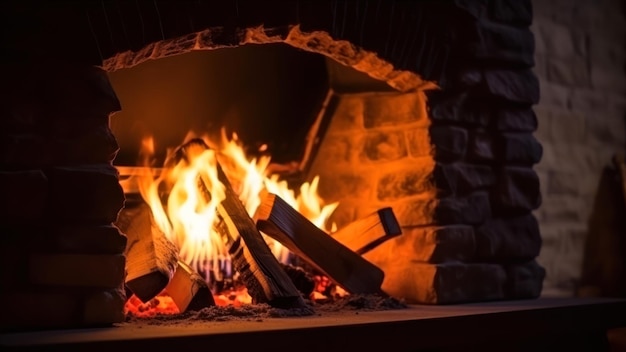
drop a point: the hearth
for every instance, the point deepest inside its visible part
(427, 112)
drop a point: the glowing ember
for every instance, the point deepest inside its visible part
(187, 216)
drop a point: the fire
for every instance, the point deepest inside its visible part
(187, 216)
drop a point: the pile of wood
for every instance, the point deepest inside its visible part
(153, 264)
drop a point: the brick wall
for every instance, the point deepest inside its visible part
(580, 60)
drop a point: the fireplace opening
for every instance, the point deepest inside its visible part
(272, 103)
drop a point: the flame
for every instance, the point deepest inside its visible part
(187, 216)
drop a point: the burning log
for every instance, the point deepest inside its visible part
(189, 290)
(349, 270)
(368, 232)
(151, 258)
(260, 271)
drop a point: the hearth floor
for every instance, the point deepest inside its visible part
(414, 328)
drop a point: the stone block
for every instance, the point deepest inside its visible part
(443, 283)
(555, 95)
(587, 100)
(419, 142)
(516, 191)
(608, 79)
(561, 209)
(572, 71)
(352, 184)
(567, 126)
(524, 281)
(436, 244)
(511, 119)
(605, 51)
(77, 270)
(448, 142)
(472, 210)
(498, 42)
(519, 86)
(72, 238)
(24, 195)
(336, 150)
(387, 109)
(480, 146)
(407, 181)
(508, 239)
(518, 148)
(384, 146)
(516, 12)
(84, 194)
(560, 40)
(461, 178)
(609, 128)
(38, 309)
(104, 307)
(103, 239)
(348, 113)
(562, 183)
(459, 108)
(92, 147)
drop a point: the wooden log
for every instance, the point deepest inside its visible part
(151, 258)
(349, 270)
(368, 232)
(189, 290)
(260, 271)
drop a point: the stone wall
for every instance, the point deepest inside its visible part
(580, 55)
(455, 164)
(61, 259)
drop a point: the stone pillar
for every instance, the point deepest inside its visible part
(62, 262)
(456, 165)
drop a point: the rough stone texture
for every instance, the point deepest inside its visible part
(524, 280)
(461, 178)
(506, 240)
(428, 244)
(581, 56)
(449, 143)
(518, 148)
(459, 108)
(60, 194)
(79, 270)
(473, 209)
(392, 109)
(517, 191)
(516, 119)
(84, 194)
(24, 195)
(443, 283)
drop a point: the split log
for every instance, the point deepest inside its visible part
(368, 232)
(349, 270)
(189, 290)
(151, 258)
(260, 271)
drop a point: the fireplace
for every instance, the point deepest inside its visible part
(428, 111)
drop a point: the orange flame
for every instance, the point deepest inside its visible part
(188, 216)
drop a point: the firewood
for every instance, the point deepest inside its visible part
(189, 290)
(368, 232)
(151, 258)
(286, 225)
(260, 271)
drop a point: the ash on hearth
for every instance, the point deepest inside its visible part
(251, 312)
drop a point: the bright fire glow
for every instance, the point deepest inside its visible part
(187, 215)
